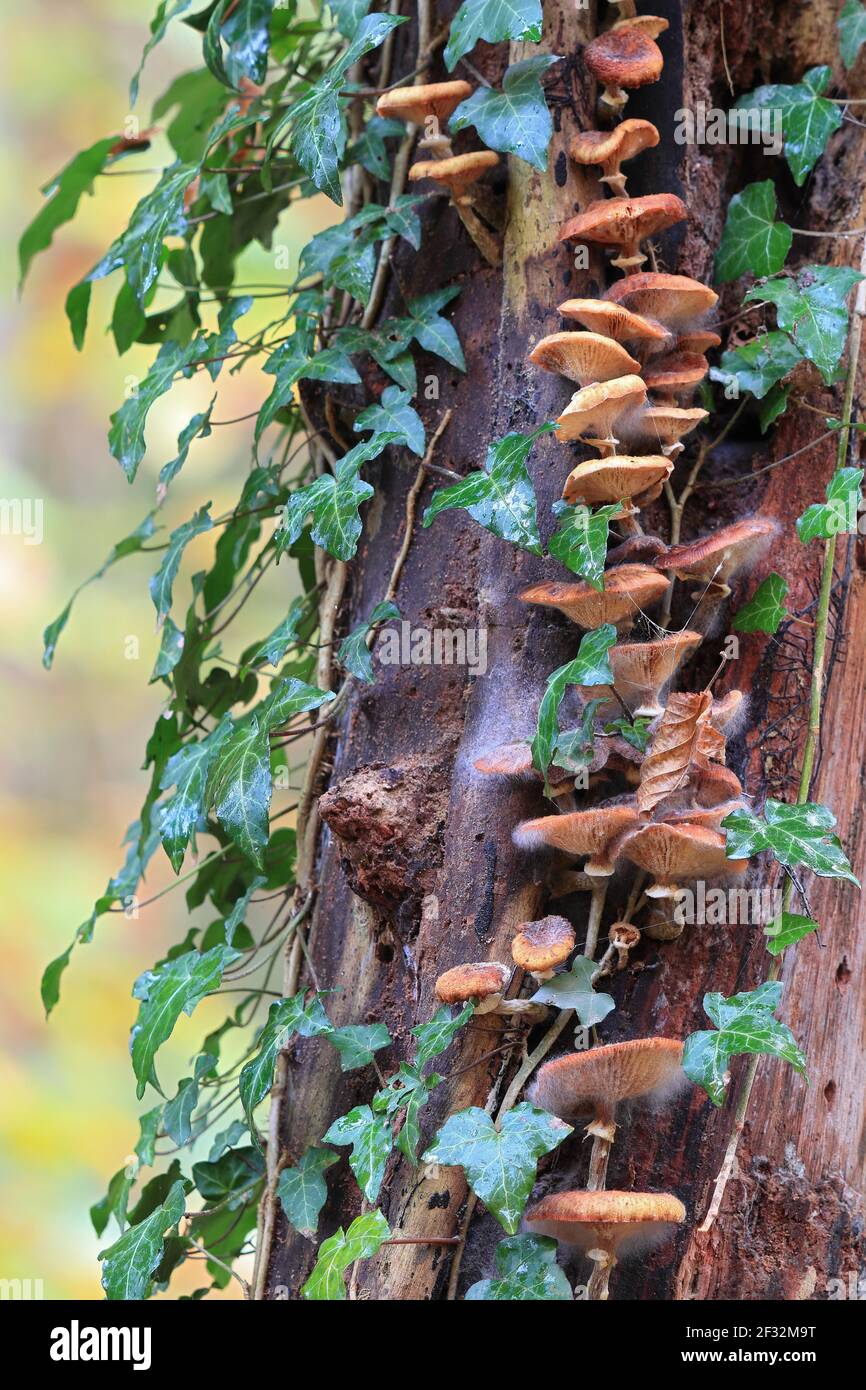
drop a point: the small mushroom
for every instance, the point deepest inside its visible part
(642, 669)
(707, 817)
(701, 341)
(458, 173)
(676, 301)
(606, 1226)
(675, 376)
(428, 105)
(612, 148)
(674, 854)
(539, 947)
(727, 709)
(593, 411)
(625, 223)
(622, 59)
(514, 760)
(581, 834)
(628, 590)
(650, 24)
(479, 982)
(715, 559)
(583, 357)
(713, 784)
(662, 426)
(596, 1080)
(615, 321)
(623, 937)
(632, 480)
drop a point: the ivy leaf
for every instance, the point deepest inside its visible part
(581, 541)
(393, 412)
(148, 1128)
(271, 651)
(357, 1042)
(235, 918)
(526, 1271)
(187, 770)
(852, 31)
(170, 651)
(354, 653)
(369, 149)
(838, 513)
(499, 1164)
(808, 120)
(197, 428)
(286, 1017)
(591, 666)
(760, 364)
(332, 501)
(493, 21)
(64, 193)
(501, 498)
(765, 609)
(348, 14)
(126, 436)
(572, 989)
(813, 308)
(303, 1191)
(177, 1113)
(574, 749)
(173, 987)
(128, 1264)
(774, 404)
(515, 120)
(431, 331)
(635, 732)
(371, 1141)
(753, 241)
(226, 1176)
(289, 697)
(785, 930)
(239, 788)
(433, 1037)
(115, 1202)
(247, 34)
(339, 1251)
(745, 1023)
(162, 583)
(159, 214)
(801, 834)
(166, 11)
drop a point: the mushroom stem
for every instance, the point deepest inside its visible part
(597, 1290)
(484, 239)
(598, 1161)
(596, 911)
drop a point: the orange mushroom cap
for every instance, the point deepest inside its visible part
(615, 1222)
(642, 669)
(614, 321)
(541, 946)
(615, 478)
(579, 833)
(415, 104)
(624, 57)
(673, 853)
(715, 558)
(593, 411)
(472, 980)
(457, 172)
(623, 221)
(598, 1079)
(676, 301)
(675, 373)
(583, 357)
(627, 590)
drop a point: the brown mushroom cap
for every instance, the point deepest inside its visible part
(726, 709)
(627, 590)
(624, 58)
(614, 321)
(583, 357)
(674, 300)
(650, 24)
(675, 372)
(713, 784)
(714, 558)
(662, 425)
(542, 945)
(593, 411)
(613, 147)
(579, 833)
(641, 669)
(415, 104)
(702, 340)
(708, 817)
(515, 760)
(595, 1081)
(608, 1220)
(623, 221)
(672, 853)
(456, 173)
(471, 980)
(615, 478)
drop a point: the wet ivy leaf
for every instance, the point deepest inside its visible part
(526, 1271)
(126, 436)
(572, 989)
(277, 643)
(288, 698)
(219, 343)
(852, 31)
(187, 771)
(514, 120)
(170, 651)
(493, 21)
(431, 331)
(591, 666)
(115, 1202)
(766, 609)
(753, 242)
(63, 193)
(148, 1128)
(574, 748)
(813, 308)
(500, 498)
(162, 583)
(801, 834)
(235, 918)
(839, 513)
(744, 1023)
(159, 214)
(354, 653)
(286, 1018)
(166, 11)
(370, 151)
(774, 405)
(394, 413)
(808, 119)
(758, 365)
(581, 541)
(348, 14)
(229, 1175)
(340, 1251)
(128, 1264)
(785, 930)
(433, 1037)
(303, 1191)
(356, 1043)
(333, 502)
(130, 545)
(246, 31)
(499, 1164)
(635, 732)
(239, 788)
(164, 993)
(177, 1113)
(410, 1132)
(371, 1140)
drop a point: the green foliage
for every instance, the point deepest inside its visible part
(395, 415)
(591, 666)
(838, 513)
(572, 989)
(129, 1264)
(500, 498)
(286, 1019)
(808, 119)
(852, 31)
(785, 930)
(526, 1271)
(63, 194)
(581, 541)
(515, 120)
(169, 989)
(744, 1023)
(369, 1135)
(758, 365)
(493, 21)
(634, 731)
(812, 306)
(354, 653)
(131, 545)
(302, 1190)
(499, 1163)
(766, 609)
(332, 503)
(357, 1042)
(753, 242)
(800, 834)
(336, 1254)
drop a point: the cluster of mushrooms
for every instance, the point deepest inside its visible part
(636, 359)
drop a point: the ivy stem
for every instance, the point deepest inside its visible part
(813, 732)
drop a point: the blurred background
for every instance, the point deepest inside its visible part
(74, 737)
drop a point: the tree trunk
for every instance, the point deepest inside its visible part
(416, 868)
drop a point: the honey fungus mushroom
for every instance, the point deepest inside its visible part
(633, 480)
(662, 427)
(583, 357)
(641, 670)
(514, 760)
(595, 1081)
(676, 301)
(539, 947)
(625, 223)
(606, 1225)
(628, 590)
(581, 834)
(479, 982)
(612, 148)
(714, 560)
(622, 59)
(675, 376)
(617, 322)
(677, 854)
(457, 173)
(428, 105)
(594, 412)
